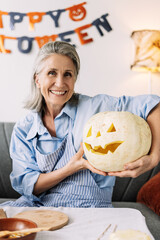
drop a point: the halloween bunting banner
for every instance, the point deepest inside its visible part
(76, 13)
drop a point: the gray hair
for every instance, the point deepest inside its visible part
(36, 101)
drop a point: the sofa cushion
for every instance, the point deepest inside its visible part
(149, 194)
(126, 189)
(6, 191)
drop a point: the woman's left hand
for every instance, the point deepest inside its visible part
(138, 167)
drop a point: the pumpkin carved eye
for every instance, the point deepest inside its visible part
(89, 134)
(98, 134)
(111, 128)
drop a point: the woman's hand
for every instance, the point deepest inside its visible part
(137, 167)
(79, 163)
(76, 163)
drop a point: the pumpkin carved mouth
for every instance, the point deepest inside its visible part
(108, 147)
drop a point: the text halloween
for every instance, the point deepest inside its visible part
(83, 37)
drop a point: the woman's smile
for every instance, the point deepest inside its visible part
(58, 93)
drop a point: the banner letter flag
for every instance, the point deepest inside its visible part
(21, 41)
(77, 12)
(62, 36)
(14, 19)
(1, 22)
(34, 17)
(43, 40)
(83, 35)
(2, 48)
(104, 23)
(55, 15)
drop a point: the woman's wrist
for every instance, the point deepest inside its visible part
(155, 158)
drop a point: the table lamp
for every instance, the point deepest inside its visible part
(147, 52)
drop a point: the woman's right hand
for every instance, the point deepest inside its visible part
(79, 163)
(76, 163)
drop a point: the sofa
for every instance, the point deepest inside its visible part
(125, 190)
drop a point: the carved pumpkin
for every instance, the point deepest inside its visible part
(111, 139)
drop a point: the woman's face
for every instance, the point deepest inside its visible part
(56, 80)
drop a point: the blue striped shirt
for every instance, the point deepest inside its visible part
(25, 169)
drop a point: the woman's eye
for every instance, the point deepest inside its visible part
(52, 73)
(68, 74)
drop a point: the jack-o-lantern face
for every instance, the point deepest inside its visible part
(112, 146)
(111, 139)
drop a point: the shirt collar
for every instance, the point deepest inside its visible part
(69, 109)
(37, 127)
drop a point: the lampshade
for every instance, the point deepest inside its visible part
(147, 50)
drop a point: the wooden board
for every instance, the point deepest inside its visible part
(2, 213)
(45, 218)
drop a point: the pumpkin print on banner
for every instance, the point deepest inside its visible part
(112, 139)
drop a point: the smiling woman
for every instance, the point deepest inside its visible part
(56, 82)
(49, 166)
(57, 67)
